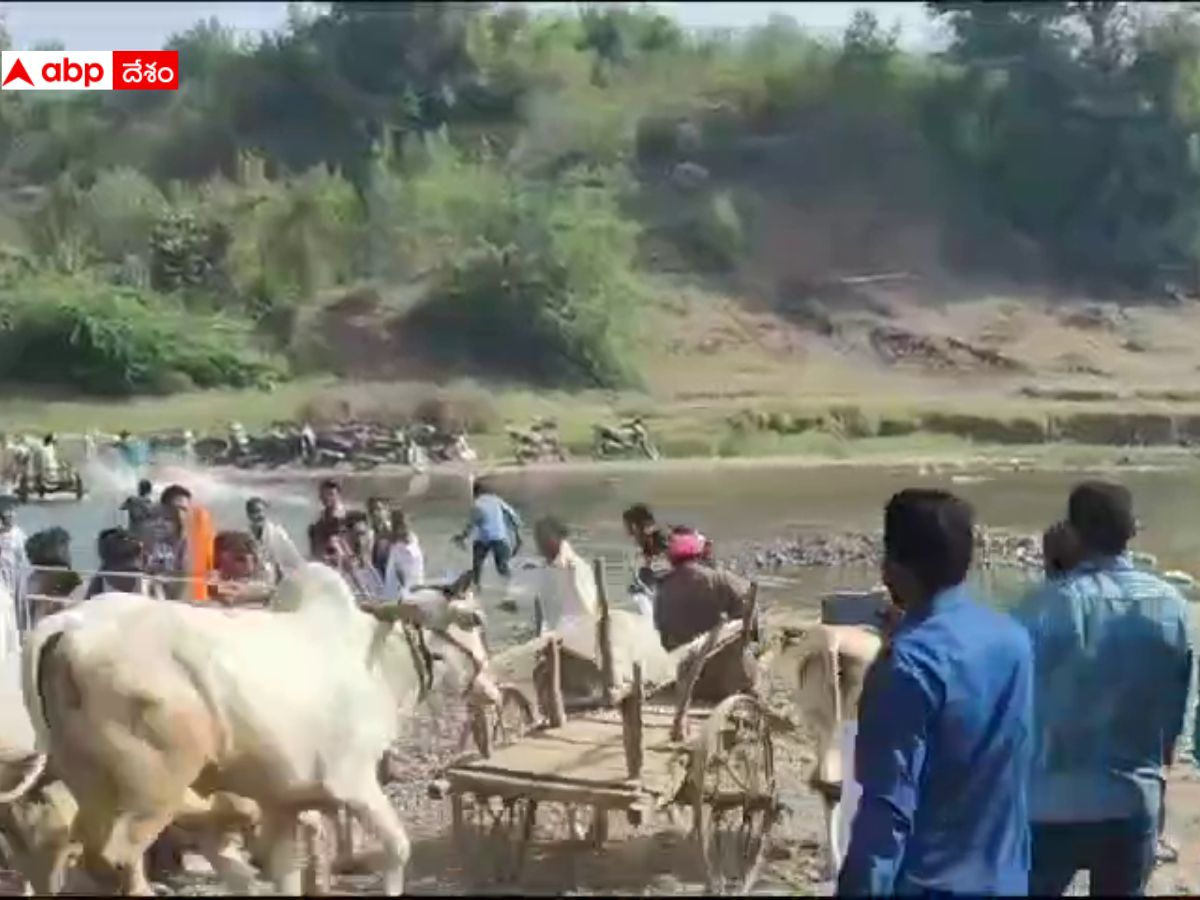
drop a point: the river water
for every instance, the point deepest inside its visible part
(733, 505)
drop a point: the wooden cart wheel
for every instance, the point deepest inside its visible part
(492, 836)
(734, 793)
(499, 726)
(573, 823)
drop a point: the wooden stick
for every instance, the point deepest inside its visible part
(693, 675)
(749, 615)
(557, 712)
(604, 633)
(482, 731)
(631, 725)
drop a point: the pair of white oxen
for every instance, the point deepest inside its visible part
(125, 715)
(145, 713)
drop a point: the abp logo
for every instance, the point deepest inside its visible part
(89, 70)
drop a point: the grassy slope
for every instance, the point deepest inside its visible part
(711, 360)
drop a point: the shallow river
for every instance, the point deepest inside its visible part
(732, 505)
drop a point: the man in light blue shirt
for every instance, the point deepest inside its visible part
(494, 529)
(943, 747)
(1113, 662)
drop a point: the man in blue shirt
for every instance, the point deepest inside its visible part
(943, 748)
(1113, 661)
(495, 530)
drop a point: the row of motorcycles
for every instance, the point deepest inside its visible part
(360, 445)
(540, 442)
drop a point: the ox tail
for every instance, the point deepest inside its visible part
(40, 646)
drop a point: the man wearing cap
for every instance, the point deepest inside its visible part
(690, 601)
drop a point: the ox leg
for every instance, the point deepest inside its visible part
(283, 857)
(375, 811)
(833, 848)
(227, 860)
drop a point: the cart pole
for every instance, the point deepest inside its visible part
(604, 633)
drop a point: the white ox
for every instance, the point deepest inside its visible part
(824, 666)
(143, 704)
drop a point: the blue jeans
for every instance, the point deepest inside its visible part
(1118, 855)
(500, 552)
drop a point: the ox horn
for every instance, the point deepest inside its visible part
(33, 765)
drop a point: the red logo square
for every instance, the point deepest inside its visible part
(145, 70)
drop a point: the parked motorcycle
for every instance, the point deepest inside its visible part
(538, 443)
(630, 438)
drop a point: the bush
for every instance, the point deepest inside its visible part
(108, 340)
(187, 253)
(553, 299)
(121, 210)
(713, 233)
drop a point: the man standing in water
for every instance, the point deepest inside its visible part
(1113, 662)
(495, 530)
(944, 745)
(139, 508)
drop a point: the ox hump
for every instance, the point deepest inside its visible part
(314, 588)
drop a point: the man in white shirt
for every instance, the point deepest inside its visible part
(565, 601)
(405, 563)
(14, 568)
(277, 555)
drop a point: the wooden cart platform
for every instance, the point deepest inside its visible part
(586, 753)
(629, 756)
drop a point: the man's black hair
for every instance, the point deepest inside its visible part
(553, 526)
(1101, 513)
(238, 543)
(482, 486)
(49, 547)
(173, 491)
(932, 534)
(145, 488)
(119, 550)
(329, 485)
(256, 501)
(354, 517)
(638, 514)
(378, 501)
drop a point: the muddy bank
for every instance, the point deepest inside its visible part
(1091, 427)
(849, 549)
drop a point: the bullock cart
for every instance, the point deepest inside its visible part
(641, 749)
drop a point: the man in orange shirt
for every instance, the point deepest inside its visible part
(181, 547)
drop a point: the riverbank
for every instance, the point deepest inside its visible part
(963, 461)
(985, 429)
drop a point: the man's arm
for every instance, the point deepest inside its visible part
(286, 554)
(1182, 685)
(472, 520)
(889, 756)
